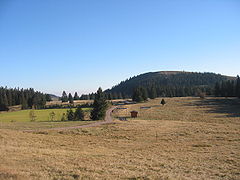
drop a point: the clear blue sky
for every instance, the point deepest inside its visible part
(79, 45)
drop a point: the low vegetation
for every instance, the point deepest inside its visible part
(187, 138)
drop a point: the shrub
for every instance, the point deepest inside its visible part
(163, 102)
(70, 115)
(32, 115)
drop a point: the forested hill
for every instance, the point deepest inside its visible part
(169, 83)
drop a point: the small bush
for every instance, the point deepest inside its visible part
(52, 116)
(32, 116)
(163, 102)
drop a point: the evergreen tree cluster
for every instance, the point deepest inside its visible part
(69, 98)
(28, 98)
(230, 88)
(173, 84)
(143, 93)
(140, 94)
(78, 115)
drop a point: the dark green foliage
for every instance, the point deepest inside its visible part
(28, 98)
(230, 88)
(238, 87)
(84, 97)
(79, 114)
(163, 102)
(217, 89)
(48, 97)
(140, 94)
(144, 93)
(99, 106)
(70, 98)
(173, 84)
(70, 115)
(152, 92)
(64, 97)
(137, 95)
(3, 107)
(76, 97)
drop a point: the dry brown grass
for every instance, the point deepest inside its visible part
(186, 139)
(79, 102)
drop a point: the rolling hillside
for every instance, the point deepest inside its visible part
(170, 83)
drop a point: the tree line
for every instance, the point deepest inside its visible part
(230, 88)
(27, 98)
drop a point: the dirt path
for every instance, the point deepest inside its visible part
(108, 120)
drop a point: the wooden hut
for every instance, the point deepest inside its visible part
(134, 114)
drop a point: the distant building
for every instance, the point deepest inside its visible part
(134, 114)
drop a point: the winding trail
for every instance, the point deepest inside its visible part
(108, 120)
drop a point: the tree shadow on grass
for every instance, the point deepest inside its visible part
(229, 106)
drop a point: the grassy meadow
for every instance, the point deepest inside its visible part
(20, 120)
(41, 115)
(188, 138)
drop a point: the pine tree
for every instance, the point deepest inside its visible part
(23, 101)
(70, 115)
(79, 114)
(152, 92)
(70, 98)
(144, 93)
(137, 95)
(120, 95)
(238, 87)
(217, 90)
(48, 97)
(64, 97)
(99, 106)
(5, 99)
(76, 97)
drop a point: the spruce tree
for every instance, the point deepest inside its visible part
(48, 97)
(64, 97)
(5, 99)
(137, 95)
(99, 106)
(23, 101)
(144, 93)
(70, 98)
(217, 89)
(79, 114)
(76, 97)
(152, 92)
(70, 115)
(238, 87)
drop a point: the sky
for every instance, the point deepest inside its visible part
(80, 45)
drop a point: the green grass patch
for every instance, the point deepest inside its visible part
(41, 115)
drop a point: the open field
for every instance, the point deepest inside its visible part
(41, 115)
(79, 102)
(188, 138)
(20, 120)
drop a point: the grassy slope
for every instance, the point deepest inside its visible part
(186, 139)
